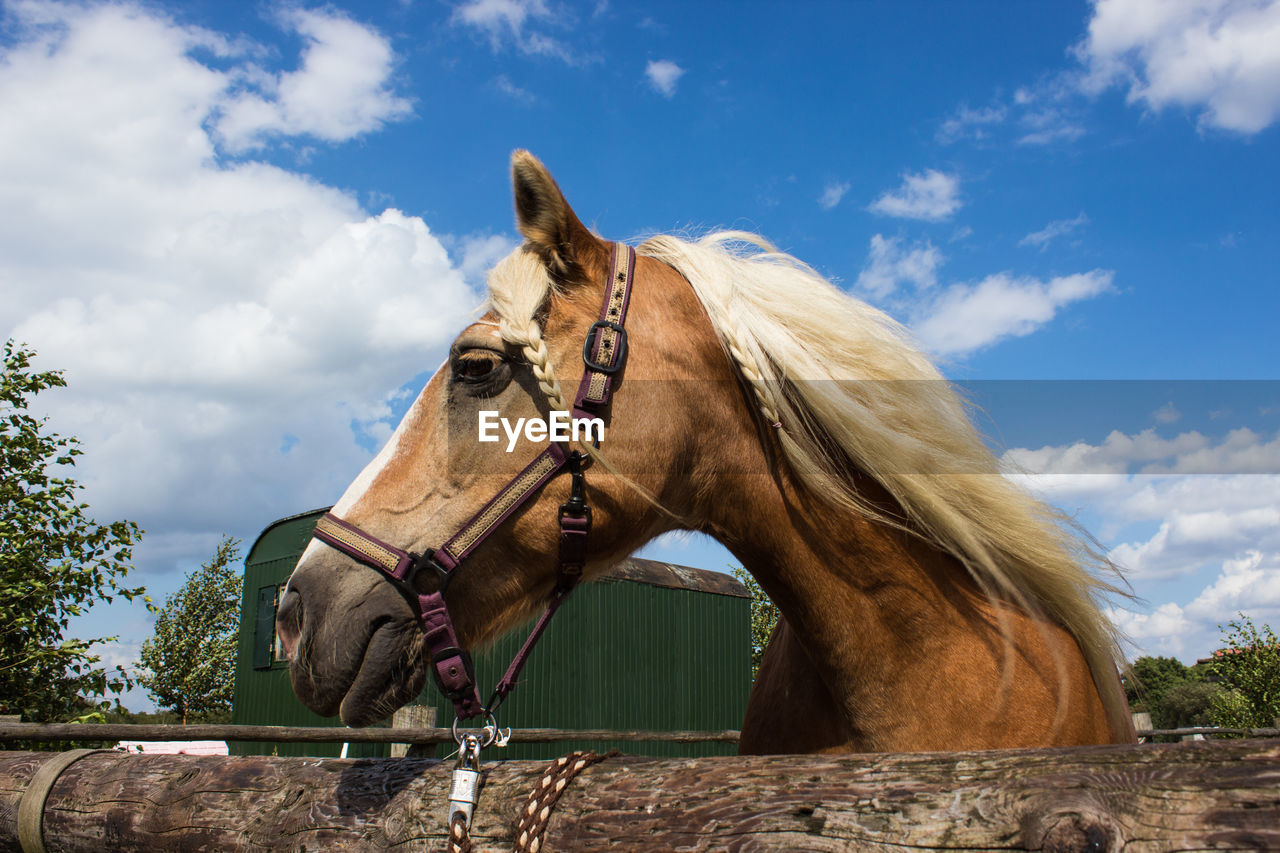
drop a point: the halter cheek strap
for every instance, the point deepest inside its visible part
(603, 353)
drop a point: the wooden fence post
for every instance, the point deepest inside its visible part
(1141, 723)
(413, 717)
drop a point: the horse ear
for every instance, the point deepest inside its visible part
(548, 224)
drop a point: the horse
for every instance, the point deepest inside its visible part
(927, 601)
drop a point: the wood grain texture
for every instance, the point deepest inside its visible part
(413, 717)
(1211, 795)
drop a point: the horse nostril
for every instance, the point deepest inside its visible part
(289, 621)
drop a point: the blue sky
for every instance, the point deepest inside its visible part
(248, 231)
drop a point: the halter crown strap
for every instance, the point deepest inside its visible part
(606, 347)
(603, 353)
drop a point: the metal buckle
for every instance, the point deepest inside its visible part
(576, 506)
(619, 350)
(428, 560)
(489, 735)
(567, 511)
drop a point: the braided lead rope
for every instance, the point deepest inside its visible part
(459, 837)
(537, 811)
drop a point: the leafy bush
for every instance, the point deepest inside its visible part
(1248, 671)
(1187, 704)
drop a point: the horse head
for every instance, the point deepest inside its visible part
(356, 642)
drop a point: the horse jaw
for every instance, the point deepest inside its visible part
(357, 654)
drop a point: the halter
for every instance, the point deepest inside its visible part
(604, 353)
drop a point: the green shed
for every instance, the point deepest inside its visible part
(650, 646)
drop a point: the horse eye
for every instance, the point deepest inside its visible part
(475, 367)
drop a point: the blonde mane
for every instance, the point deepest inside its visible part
(850, 392)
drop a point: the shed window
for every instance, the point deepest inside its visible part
(266, 645)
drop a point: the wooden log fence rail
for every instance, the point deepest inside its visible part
(1211, 731)
(1195, 795)
(84, 732)
(78, 732)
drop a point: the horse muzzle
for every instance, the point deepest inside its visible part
(354, 645)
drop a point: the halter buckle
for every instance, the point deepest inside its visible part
(619, 349)
(428, 561)
(569, 510)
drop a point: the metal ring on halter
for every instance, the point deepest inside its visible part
(489, 732)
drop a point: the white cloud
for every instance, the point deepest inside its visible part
(1249, 583)
(1240, 451)
(1186, 541)
(1042, 113)
(663, 76)
(224, 325)
(340, 91)
(510, 21)
(1214, 534)
(500, 18)
(960, 318)
(1162, 631)
(479, 252)
(889, 265)
(1055, 229)
(969, 123)
(511, 90)
(1220, 58)
(1220, 529)
(968, 317)
(1167, 414)
(930, 195)
(1117, 454)
(1216, 59)
(1046, 125)
(832, 193)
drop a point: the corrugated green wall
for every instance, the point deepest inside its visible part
(620, 654)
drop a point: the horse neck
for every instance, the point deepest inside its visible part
(845, 581)
(873, 607)
(912, 654)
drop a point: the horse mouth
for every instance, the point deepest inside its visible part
(388, 673)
